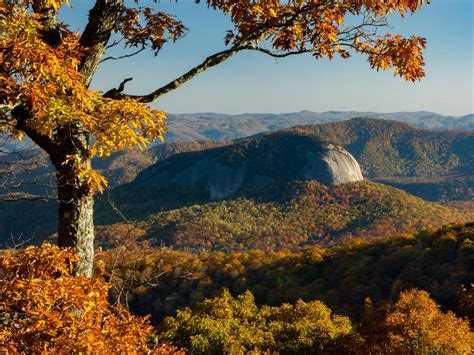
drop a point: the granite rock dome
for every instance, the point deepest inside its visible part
(254, 163)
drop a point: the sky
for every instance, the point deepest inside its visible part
(254, 82)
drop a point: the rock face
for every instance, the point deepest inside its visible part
(333, 166)
(253, 164)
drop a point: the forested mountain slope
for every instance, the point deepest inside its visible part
(386, 150)
(342, 276)
(389, 148)
(290, 215)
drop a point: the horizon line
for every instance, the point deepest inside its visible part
(317, 112)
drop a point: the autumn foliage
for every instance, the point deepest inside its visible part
(45, 309)
(236, 325)
(413, 325)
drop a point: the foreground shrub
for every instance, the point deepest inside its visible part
(234, 325)
(44, 308)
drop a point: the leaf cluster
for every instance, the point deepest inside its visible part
(48, 82)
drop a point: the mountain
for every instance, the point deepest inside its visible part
(390, 148)
(215, 126)
(284, 189)
(219, 126)
(384, 148)
(253, 163)
(435, 165)
(390, 152)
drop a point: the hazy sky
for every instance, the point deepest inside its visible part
(253, 82)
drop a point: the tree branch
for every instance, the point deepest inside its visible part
(282, 54)
(209, 62)
(122, 56)
(215, 59)
(21, 114)
(114, 93)
(102, 19)
(247, 41)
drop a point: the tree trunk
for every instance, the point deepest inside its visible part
(76, 224)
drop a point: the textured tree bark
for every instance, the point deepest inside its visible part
(76, 203)
(102, 19)
(76, 223)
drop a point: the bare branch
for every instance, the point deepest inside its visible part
(123, 56)
(209, 62)
(281, 54)
(114, 43)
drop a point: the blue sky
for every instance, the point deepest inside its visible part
(253, 82)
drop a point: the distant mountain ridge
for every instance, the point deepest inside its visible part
(220, 126)
(216, 126)
(390, 151)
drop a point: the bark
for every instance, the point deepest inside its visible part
(102, 19)
(76, 203)
(76, 224)
(76, 227)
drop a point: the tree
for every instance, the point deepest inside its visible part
(46, 70)
(417, 325)
(414, 325)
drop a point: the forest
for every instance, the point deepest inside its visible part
(405, 294)
(292, 216)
